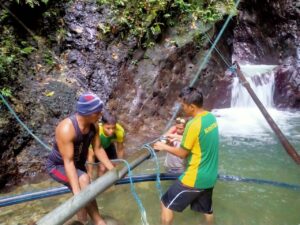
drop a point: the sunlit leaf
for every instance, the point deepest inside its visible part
(49, 94)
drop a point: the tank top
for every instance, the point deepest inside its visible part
(81, 146)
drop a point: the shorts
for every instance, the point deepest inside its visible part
(110, 152)
(178, 197)
(174, 170)
(58, 173)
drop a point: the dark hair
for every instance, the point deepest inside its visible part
(180, 120)
(108, 118)
(191, 95)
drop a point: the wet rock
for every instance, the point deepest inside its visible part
(13, 140)
(95, 63)
(287, 85)
(21, 155)
(76, 29)
(76, 57)
(156, 80)
(267, 31)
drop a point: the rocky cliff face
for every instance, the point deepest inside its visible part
(93, 61)
(153, 84)
(268, 32)
(287, 85)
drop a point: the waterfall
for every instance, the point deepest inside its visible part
(244, 119)
(261, 80)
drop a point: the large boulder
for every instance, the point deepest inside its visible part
(267, 31)
(287, 85)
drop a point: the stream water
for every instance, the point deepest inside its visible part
(248, 148)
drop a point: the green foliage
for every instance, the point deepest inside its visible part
(3, 15)
(135, 18)
(182, 5)
(104, 28)
(12, 54)
(208, 15)
(27, 50)
(199, 39)
(48, 58)
(6, 92)
(60, 35)
(134, 62)
(32, 3)
(5, 61)
(9, 53)
(146, 19)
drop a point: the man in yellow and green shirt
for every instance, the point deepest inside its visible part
(200, 145)
(112, 138)
(111, 135)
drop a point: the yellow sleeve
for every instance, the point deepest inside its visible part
(191, 134)
(100, 128)
(120, 133)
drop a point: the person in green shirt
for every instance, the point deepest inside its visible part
(200, 145)
(111, 135)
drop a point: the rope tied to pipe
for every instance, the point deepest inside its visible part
(153, 155)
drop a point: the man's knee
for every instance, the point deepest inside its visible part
(166, 220)
(102, 168)
(84, 180)
(166, 215)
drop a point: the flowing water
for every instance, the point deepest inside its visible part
(248, 149)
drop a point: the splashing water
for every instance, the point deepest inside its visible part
(244, 119)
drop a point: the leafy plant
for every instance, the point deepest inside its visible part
(3, 15)
(134, 62)
(10, 54)
(6, 92)
(146, 19)
(27, 50)
(48, 58)
(32, 3)
(149, 44)
(105, 28)
(60, 35)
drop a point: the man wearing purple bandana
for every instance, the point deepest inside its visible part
(73, 136)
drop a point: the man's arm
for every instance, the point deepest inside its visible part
(90, 160)
(180, 152)
(100, 152)
(65, 135)
(120, 150)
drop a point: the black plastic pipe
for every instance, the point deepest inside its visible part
(25, 197)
